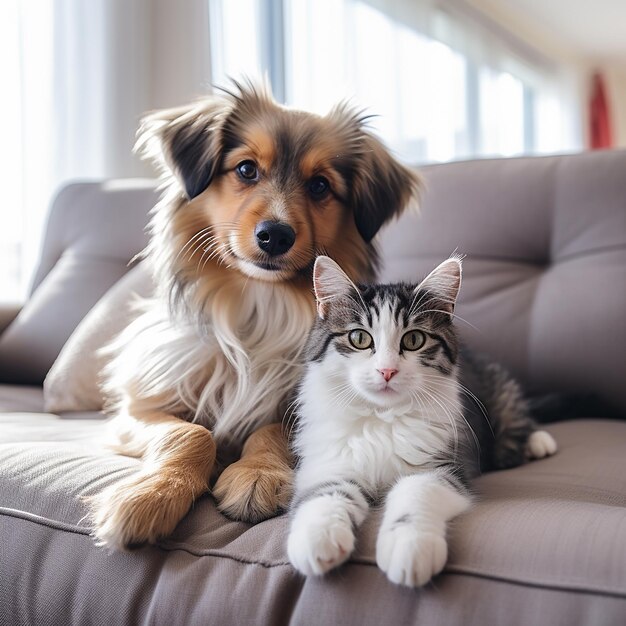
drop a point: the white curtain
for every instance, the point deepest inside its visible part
(77, 76)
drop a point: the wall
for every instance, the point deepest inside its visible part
(113, 61)
(155, 55)
(180, 51)
(573, 63)
(615, 75)
(569, 68)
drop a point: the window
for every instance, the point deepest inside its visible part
(502, 127)
(443, 87)
(26, 69)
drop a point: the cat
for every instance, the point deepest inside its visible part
(392, 408)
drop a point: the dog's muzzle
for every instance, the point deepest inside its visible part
(274, 238)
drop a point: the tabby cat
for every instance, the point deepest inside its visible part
(392, 409)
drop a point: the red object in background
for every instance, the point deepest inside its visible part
(600, 134)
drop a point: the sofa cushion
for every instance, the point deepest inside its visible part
(8, 312)
(37, 427)
(72, 382)
(94, 230)
(543, 281)
(20, 398)
(543, 544)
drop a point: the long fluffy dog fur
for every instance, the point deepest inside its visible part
(212, 359)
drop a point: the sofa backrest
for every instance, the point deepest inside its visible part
(544, 279)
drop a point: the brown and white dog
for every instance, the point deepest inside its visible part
(253, 192)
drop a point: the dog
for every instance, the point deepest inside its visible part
(252, 193)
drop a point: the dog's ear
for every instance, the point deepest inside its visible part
(186, 141)
(382, 187)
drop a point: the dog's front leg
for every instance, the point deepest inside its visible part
(259, 485)
(177, 459)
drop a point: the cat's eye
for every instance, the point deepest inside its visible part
(413, 340)
(360, 339)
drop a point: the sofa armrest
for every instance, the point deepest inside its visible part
(8, 312)
(94, 229)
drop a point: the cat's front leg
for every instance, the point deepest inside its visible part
(411, 546)
(323, 524)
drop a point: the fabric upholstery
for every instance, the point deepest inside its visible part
(20, 398)
(544, 278)
(94, 230)
(72, 382)
(38, 427)
(539, 546)
(8, 312)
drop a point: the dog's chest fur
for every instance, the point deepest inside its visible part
(257, 334)
(231, 369)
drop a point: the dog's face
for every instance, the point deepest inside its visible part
(268, 188)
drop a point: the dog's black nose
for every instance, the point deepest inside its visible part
(274, 238)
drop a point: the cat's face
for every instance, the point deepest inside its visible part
(385, 345)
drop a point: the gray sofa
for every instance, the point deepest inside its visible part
(544, 291)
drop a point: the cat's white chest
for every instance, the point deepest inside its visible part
(378, 447)
(383, 449)
(387, 445)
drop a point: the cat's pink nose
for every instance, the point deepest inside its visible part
(388, 374)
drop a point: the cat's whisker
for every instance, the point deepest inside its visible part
(454, 315)
(447, 413)
(290, 418)
(416, 304)
(422, 406)
(348, 401)
(463, 389)
(342, 386)
(347, 392)
(471, 430)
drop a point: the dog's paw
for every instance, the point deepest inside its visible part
(540, 444)
(410, 556)
(321, 537)
(141, 509)
(254, 489)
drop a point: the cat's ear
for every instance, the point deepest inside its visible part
(443, 285)
(330, 282)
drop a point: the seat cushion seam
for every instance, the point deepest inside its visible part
(453, 570)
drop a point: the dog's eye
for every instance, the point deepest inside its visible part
(318, 186)
(248, 170)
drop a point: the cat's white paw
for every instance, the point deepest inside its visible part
(541, 444)
(409, 556)
(321, 537)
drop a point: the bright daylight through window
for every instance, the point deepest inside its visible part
(442, 87)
